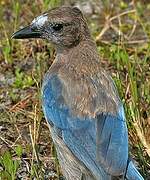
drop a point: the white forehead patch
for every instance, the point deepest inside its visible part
(40, 20)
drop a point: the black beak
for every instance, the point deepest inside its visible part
(26, 33)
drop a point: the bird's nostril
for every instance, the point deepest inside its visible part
(33, 28)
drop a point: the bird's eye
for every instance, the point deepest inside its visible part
(57, 27)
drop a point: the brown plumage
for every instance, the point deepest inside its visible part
(78, 56)
(80, 101)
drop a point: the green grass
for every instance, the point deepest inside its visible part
(25, 142)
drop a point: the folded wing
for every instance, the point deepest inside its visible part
(98, 140)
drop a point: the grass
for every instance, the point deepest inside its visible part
(122, 35)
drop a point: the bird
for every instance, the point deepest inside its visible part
(80, 101)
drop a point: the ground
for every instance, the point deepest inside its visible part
(121, 30)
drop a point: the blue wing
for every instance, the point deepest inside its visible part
(101, 143)
(112, 143)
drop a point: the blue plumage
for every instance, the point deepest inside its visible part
(101, 143)
(80, 101)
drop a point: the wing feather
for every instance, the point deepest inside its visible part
(100, 142)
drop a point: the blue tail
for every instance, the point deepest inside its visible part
(132, 173)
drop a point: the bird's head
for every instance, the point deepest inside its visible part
(63, 26)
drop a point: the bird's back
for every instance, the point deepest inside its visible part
(80, 100)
